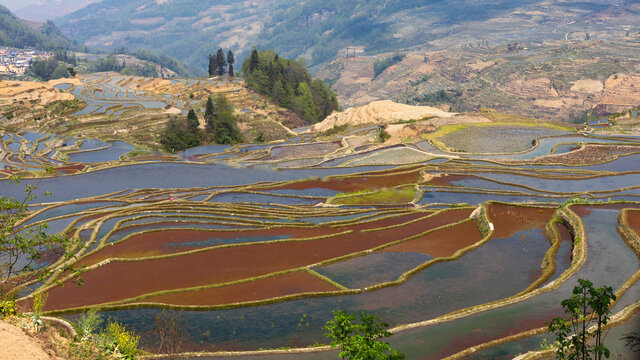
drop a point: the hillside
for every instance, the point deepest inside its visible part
(134, 109)
(320, 31)
(17, 33)
(554, 81)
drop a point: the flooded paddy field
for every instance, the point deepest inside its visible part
(256, 250)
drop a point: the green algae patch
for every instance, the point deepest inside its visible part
(400, 195)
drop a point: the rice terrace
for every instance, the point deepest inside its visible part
(466, 247)
(363, 180)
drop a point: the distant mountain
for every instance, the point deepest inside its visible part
(321, 30)
(50, 9)
(17, 33)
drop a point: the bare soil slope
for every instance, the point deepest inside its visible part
(15, 344)
(379, 113)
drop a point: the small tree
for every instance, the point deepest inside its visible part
(208, 111)
(254, 61)
(212, 65)
(221, 124)
(360, 340)
(22, 248)
(170, 334)
(221, 63)
(192, 122)
(587, 307)
(231, 60)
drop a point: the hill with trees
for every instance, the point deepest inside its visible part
(321, 30)
(17, 33)
(288, 84)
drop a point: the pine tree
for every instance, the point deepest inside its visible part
(212, 64)
(208, 114)
(192, 122)
(230, 58)
(221, 63)
(231, 70)
(254, 61)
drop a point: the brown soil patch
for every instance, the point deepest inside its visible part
(622, 90)
(530, 88)
(15, 344)
(43, 93)
(442, 243)
(511, 219)
(121, 280)
(288, 284)
(154, 85)
(633, 218)
(480, 65)
(587, 86)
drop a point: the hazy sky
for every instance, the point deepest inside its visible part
(16, 4)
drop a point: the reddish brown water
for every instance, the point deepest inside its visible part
(282, 285)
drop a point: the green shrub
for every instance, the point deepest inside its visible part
(335, 130)
(383, 135)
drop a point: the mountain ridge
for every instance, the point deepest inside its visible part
(321, 30)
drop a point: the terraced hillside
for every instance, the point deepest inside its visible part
(110, 106)
(554, 81)
(465, 253)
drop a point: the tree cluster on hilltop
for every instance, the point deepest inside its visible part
(219, 65)
(288, 83)
(181, 134)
